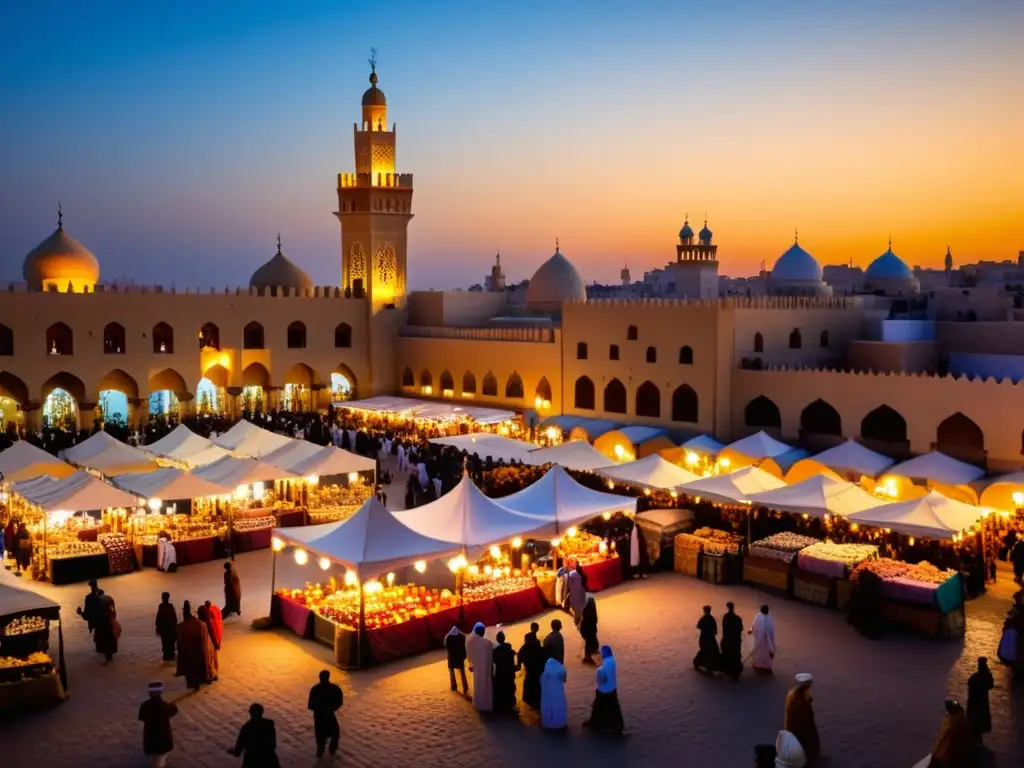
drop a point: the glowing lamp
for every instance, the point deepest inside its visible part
(277, 544)
(350, 578)
(420, 566)
(674, 495)
(572, 531)
(353, 477)
(325, 563)
(257, 491)
(495, 552)
(427, 390)
(301, 556)
(692, 458)
(391, 579)
(607, 515)
(555, 542)
(647, 491)
(854, 527)
(453, 565)
(1018, 498)
(538, 402)
(488, 570)
(602, 547)
(474, 569)
(550, 432)
(462, 561)
(517, 542)
(241, 492)
(546, 404)
(611, 486)
(911, 541)
(619, 452)
(154, 504)
(724, 462)
(312, 480)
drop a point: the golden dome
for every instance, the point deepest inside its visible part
(280, 272)
(59, 260)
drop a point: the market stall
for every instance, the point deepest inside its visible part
(935, 516)
(30, 678)
(710, 554)
(769, 561)
(823, 570)
(751, 449)
(938, 471)
(108, 456)
(184, 447)
(23, 461)
(651, 472)
(732, 488)
(495, 447)
(849, 460)
(573, 454)
(633, 442)
(919, 597)
(446, 415)
(247, 440)
(817, 496)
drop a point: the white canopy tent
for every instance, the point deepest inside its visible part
(753, 448)
(649, 472)
(292, 453)
(168, 483)
(229, 473)
(934, 516)
(817, 496)
(428, 409)
(79, 492)
(703, 445)
(328, 461)
(574, 454)
(497, 447)
(1005, 492)
(247, 440)
(371, 542)
(185, 446)
(108, 455)
(850, 460)
(465, 516)
(735, 487)
(558, 498)
(24, 460)
(937, 468)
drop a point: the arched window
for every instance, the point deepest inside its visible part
(684, 404)
(686, 355)
(296, 335)
(209, 336)
(581, 350)
(252, 336)
(59, 340)
(820, 418)
(632, 333)
(468, 383)
(426, 380)
(884, 424)
(6, 341)
(113, 339)
(514, 387)
(615, 397)
(824, 338)
(543, 391)
(763, 413)
(794, 339)
(758, 342)
(408, 380)
(613, 351)
(652, 355)
(583, 398)
(163, 339)
(648, 400)
(490, 388)
(959, 435)
(342, 336)
(447, 382)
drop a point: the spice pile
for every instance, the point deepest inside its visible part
(781, 546)
(711, 540)
(834, 560)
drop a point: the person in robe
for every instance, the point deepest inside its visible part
(504, 676)
(90, 610)
(763, 630)
(978, 712)
(232, 591)
(732, 643)
(554, 643)
(799, 717)
(588, 631)
(605, 712)
(480, 652)
(554, 711)
(215, 623)
(325, 699)
(577, 596)
(583, 575)
(707, 657)
(167, 625)
(257, 741)
(100, 614)
(193, 640)
(866, 605)
(455, 648)
(788, 752)
(155, 715)
(166, 556)
(955, 745)
(210, 648)
(531, 657)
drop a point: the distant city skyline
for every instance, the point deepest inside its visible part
(181, 139)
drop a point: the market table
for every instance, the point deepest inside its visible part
(32, 693)
(191, 551)
(247, 541)
(520, 605)
(297, 617)
(603, 574)
(439, 624)
(71, 570)
(291, 518)
(399, 640)
(483, 611)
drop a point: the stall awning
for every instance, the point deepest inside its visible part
(582, 427)
(558, 498)
(703, 444)
(184, 445)
(735, 487)
(756, 447)
(329, 461)
(428, 409)
(650, 472)
(292, 453)
(575, 454)
(485, 444)
(24, 460)
(109, 456)
(168, 484)
(79, 492)
(247, 440)
(229, 472)
(853, 458)
(817, 496)
(1001, 491)
(371, 542)
(15, 601)
(937, 468)
(932, 517)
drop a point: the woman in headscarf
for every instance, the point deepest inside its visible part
(577, 596)
(504, 676)
(531, 656)
(799, 717)
(215, 623)
(788, 752)
(554, 712)
(480, 652)
(588, 630)
(211, 647)
(955, 747)
(605, 713)
(193, 639)
(455, 647)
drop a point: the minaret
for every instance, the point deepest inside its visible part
(695, 271)
(949, 260)
(497, 284)
(624, 275)
(374, 208)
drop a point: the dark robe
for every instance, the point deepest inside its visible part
(978, 712)
(455, 647)
(707, 656)
(193, 659)
(955, 747)
(554, 647)
(210, 648)
(504, 678)
(325, 699)
(588, 628)
(531, 656)
(167, 628)
(866, 605)
(215, 623)
(105, 627)
(257, 741)
(799, 720)
(732, 645)
(156, 715)
(232, 592)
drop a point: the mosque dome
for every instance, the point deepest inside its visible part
(686, 231)
(554, 283)
(888, 266)
(60, 260)
(705, 234)
(374, 96)
(280, 272)
(796, 265)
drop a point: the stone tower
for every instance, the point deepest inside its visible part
(695, 270)
(374, 208)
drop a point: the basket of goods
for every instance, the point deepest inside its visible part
(713, 541)
(921, 584)
(68, 549)
(331, 514)
(835, 561)
(247, 524)
(119, 552)
(686, 554)
(25, 635)
(15, 668)
(781, 546)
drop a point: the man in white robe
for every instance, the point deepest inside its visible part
(763, 630)
(480, 654)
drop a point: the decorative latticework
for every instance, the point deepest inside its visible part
(387, 265)
(356, 264)
(383, 156)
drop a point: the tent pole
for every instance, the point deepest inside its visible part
(361, 629)
(273, 570)
(62, 673)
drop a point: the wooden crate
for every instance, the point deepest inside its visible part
(687, 561)
(754, 574)
(715, 569)
(812, 591)
(844, 592)
(930, 622)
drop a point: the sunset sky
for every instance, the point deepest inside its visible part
(181, 138)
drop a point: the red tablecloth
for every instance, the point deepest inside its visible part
(519, 605)
(247, 541)
(293, 615)
(603, 574)
(291, 518)
(440, 624)
(88, 534)
(484, 611)
(399, 640)
(194, 551)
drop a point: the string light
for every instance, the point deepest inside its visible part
(301, 556)
(420, 566)
(391, 579)
(607, 515)
(325, 563)
(517, 543)
(495, 552)
(277, 544)
(555, 542)
(350, 578)
(572, 531)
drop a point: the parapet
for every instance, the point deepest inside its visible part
(315, 292)
(386, 180)
(915, 375)
(730, 302)
(538, 335)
